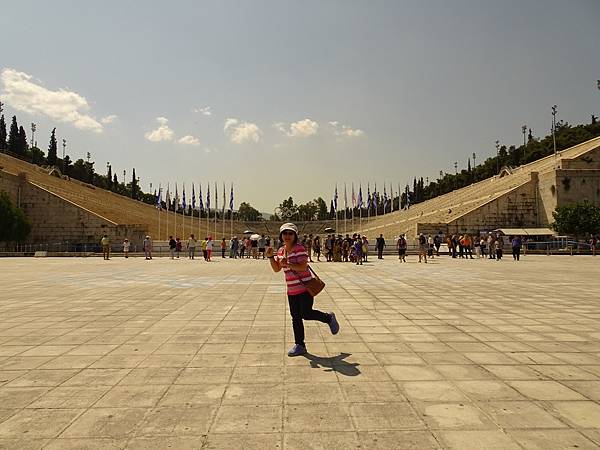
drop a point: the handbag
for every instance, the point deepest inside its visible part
(315, 285)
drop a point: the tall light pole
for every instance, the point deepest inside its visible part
(497, 157)
(524, 131)
(474, 156)
(32, 133)
(63, 156)
(554, 128)
(124, 179)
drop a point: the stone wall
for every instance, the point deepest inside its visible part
(55, 219)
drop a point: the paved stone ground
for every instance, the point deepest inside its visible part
(150, 354)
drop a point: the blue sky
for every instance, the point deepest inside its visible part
(286, 98)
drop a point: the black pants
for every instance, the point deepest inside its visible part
(379, 253)
(301, 309)
(516, 253)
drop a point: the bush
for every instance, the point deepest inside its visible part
(580, 219)
(14, 225)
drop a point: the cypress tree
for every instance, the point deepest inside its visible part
(13, 137)
(134, 186)
(23, 145)
(109, 177)
(115, 181)
(52, 149)
(3, 146)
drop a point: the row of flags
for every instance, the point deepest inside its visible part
(373, 198)
(182, 201)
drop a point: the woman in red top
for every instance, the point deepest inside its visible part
(293, 259)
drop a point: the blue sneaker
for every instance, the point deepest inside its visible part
(334, 326)
(297, 350)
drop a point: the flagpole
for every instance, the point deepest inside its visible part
(216, 209)
(208, 210)
(231, 211)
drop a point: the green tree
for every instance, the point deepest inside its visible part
(23, 146)
(288, 210)
(3, 145)
(134, 185)
(322, 213)
(247, 212)
(13, 137)
(308, 211)
(67, 162)
(52, 149)
(37, 156)
(580, 219)
(14, 225)
(109, 177)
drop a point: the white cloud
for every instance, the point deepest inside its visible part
(23, 94)
(341, 130)
(303, 128)
(189, 140)
(109, 119)
(205, 111)
(241, 132)
(162, 133)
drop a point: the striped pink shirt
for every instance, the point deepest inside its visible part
(298, 255)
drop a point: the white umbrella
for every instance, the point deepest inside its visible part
(255, 237)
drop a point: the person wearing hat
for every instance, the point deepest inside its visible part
(126, 245)
(292, 258)
(105, 243)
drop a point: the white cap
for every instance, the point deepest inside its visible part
(288, 226)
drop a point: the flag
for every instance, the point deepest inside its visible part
(231, 199)
(345, 198)
(193, 198)
(159, 198)
(200, 200)
(385, 198)
(368, 196)
(208, 196)
(183, 203)
(223, 198)
(216, 199)
(360, 202)
(176, 198)
(168, 198)
(335, 198)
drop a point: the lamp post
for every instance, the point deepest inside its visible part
(124, 179)
(33, 127)
(474, 160)
(524, 131)
(497, 157)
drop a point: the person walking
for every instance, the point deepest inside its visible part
(178, 247)
(401, 245)
(147, 244)
(516, 243)
(317, 247)
(293, 260)
(191, 246)
(365, 248)
(209, 247)
(491, 245)
(126, 245)
(380, 245)
(358, 251)
(223, 247)
(422, 247)
(262, 244)
(172, 246)
(105, 243)
(309, 246)
(203, 247)
(499, 245)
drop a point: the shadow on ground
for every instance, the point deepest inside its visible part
(334, 364)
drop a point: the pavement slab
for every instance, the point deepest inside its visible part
(183, 354)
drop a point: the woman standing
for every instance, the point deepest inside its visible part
(293, 259)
